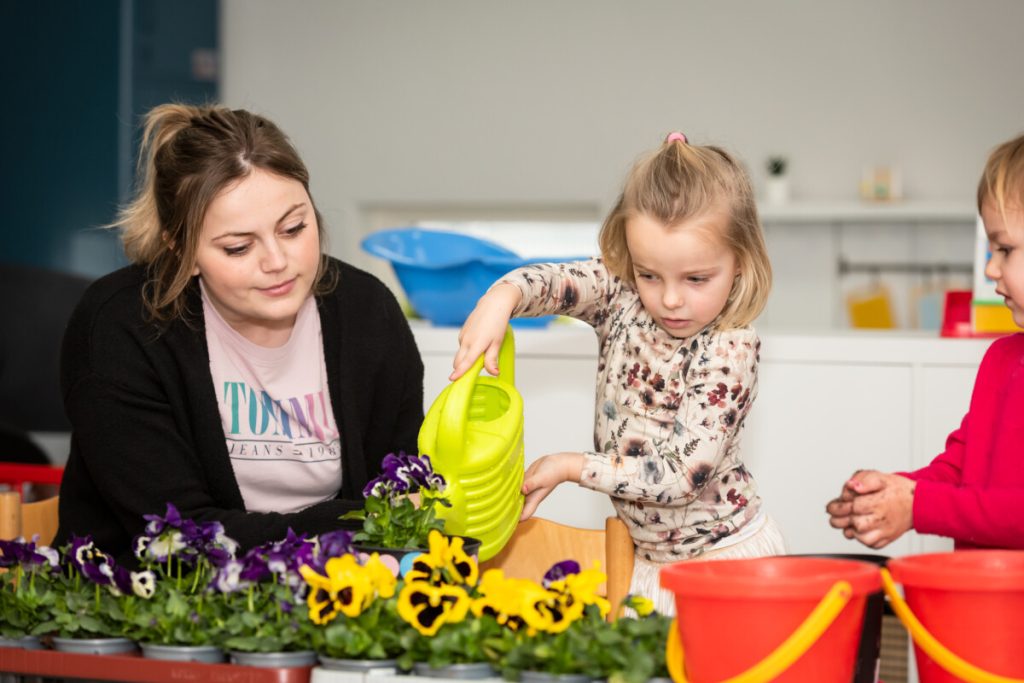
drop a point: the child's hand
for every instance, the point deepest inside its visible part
(840, 510)
(484, 330)
(544, 474)
(882, 508)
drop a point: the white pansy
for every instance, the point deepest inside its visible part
(144, 583)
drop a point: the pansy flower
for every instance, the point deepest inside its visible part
(503, 598)
(331, 544)
(347, 588)
(639, 604)
(143, 584)
(446, 562)
(582, 587)
(402, 474)
(427, 607)
(559, 571)
(27, 554)
(551, 611)
(228, 578)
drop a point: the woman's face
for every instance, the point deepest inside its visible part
(258, 255)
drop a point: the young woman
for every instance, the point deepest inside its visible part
(234, 369)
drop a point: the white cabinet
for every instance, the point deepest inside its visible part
(828, 404)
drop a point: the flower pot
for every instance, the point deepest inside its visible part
(363, 666)
(207, 654)
(546, 677)
(471, 670)
(274, 660)
(22, 643)
(94, 646)
(399, 560)
(777, 190)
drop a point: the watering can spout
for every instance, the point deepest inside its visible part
(473, 434)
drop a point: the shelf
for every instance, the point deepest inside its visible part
(51, 664)
(868, 212)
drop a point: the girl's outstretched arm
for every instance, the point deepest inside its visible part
(484, 329)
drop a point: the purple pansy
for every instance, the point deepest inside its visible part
(403, 473)
(27, 554)
(332, 544)
(559, 571)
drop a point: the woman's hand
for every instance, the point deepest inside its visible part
(544, 474)
(875, 508)
(484, 330)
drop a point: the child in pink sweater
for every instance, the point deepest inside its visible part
(972, 491)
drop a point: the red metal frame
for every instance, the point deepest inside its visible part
(17, 475)
(50, 664)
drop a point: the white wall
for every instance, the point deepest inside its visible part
(544, 105)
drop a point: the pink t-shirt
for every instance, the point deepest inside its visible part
(276, 411)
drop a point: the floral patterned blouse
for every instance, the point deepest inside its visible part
(669, 412)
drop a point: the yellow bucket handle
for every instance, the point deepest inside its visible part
(932, 647)
(791, 649)
(452, 421)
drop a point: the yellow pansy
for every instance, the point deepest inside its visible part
(381, 578)
(504, 598)
(445, 562)
(582, 586)
(551, 611)
(428, 607)
(639, 604)
(346, 588)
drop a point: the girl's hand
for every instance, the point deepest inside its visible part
(544, 474)
(484, 330)
(882, 507)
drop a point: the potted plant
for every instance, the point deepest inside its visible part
(450, 636)
(355, 605)
(88, 615)
(176, 617)
(777, 185)
(26, 591)
(399, 511)
(634, 649)
(564, 632)
(261, 595)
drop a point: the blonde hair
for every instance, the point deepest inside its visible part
(188, 155)
(680, 181)
(1002, 181)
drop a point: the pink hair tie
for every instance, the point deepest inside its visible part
(672, 137)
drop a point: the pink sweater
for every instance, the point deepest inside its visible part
(974, 491)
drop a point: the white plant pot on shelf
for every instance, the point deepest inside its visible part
(777, 190)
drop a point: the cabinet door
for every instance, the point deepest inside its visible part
(812, 426)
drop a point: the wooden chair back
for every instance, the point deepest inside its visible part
(539, 543)
(28, 519)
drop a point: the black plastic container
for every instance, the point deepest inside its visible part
(869, 651)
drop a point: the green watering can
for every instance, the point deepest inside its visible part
(473, 434)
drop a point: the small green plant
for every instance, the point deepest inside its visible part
(776, 165)
(390, 517)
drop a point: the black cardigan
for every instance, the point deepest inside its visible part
(146, 429)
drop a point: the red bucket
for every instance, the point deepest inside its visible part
(732, 614)
(972, 603)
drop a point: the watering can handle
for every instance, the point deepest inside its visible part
(451, 430)
(791, 649)
(932, 647)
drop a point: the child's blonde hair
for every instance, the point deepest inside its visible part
(680, 181)
(1002, 181)
(188, 155)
